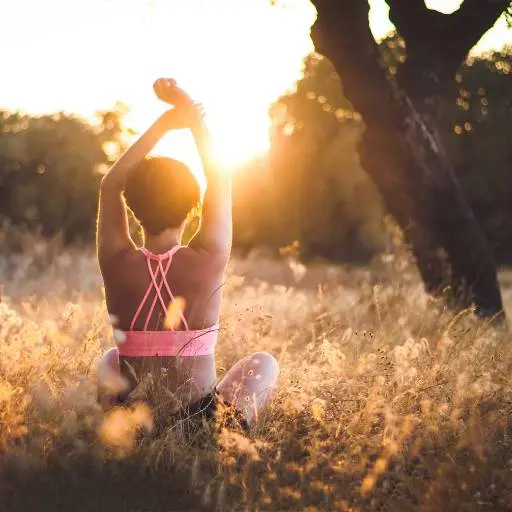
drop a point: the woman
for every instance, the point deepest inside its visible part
(166, 297)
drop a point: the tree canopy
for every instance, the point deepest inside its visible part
(50, 170)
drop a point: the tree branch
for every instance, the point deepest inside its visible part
(412, 19)
(465, 26)
(438, 43)
(473, 19)
(350, 17)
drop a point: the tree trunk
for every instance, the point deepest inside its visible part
(408, 164)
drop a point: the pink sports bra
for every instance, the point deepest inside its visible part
(165, 343)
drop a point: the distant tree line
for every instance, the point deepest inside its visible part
(50, 170)
(311, 188)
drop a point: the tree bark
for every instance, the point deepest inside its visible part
(407, 162)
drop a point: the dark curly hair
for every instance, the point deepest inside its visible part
(161, 192)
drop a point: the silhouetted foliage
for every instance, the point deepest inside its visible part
(50, 170)
(329, 203)
(478, 133)
(332, 207)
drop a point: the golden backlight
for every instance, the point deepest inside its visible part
(235, 56)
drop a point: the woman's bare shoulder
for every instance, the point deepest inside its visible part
(201, 264)
(120, 265)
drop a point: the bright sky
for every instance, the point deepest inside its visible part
(236, 56)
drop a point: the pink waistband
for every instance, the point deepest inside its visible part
(169, 343)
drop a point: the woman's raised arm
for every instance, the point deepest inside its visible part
(112, 232)
(216, 231)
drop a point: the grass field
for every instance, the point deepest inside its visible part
(386, 401)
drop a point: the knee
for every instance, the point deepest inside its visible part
(264, 358)
(109, 361)
(111, 357)
(266, 362)
(110, 382)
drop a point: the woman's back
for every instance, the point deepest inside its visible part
(164, 297)
(138, 282)
(167, 306)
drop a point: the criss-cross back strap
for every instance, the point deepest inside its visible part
(158, 276)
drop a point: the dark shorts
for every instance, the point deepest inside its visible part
(214, 409)
(211, 410)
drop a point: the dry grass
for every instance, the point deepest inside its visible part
(386, 401)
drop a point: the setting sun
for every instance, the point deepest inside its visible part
(235, 62)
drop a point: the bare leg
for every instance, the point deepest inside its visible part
(249, 385)
(109, 378)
